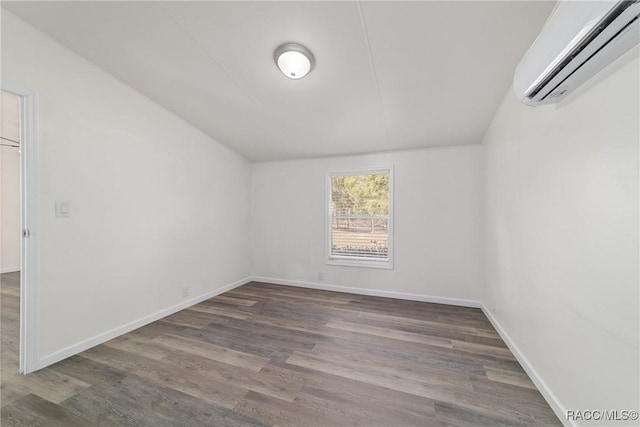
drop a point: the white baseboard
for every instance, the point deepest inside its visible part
(549, 396)
(9, 269)
(106, 336)
(371, 292)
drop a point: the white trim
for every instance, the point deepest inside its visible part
(29, 320)
(9, 270)
(120, 330)
(29, 275)
(362, 263)
(350, 261)
(371, 292)
(549, 396)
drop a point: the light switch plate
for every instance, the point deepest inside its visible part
(63, 209)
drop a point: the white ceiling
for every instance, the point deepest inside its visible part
(388, 76)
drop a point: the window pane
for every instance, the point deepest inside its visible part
(360, 216)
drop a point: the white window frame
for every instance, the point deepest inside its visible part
(355, 261)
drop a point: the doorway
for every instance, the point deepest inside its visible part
(17, 226)
(10, 230)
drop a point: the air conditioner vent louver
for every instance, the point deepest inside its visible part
(578, 40)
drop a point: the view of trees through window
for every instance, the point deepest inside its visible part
(360, 216)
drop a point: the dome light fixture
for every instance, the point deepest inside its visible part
(294, 60)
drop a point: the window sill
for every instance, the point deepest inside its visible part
(345, 262)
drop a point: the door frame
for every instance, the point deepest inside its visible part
(29, 319)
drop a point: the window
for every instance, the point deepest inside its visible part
(360, 225)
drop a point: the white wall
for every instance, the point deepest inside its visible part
(156, 205)
(561, 237)
(10, 185)
(437, 207)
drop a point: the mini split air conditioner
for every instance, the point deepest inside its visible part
(579, 39)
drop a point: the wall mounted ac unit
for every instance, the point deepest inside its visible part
(579, 39)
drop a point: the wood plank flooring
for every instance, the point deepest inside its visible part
(272, 355)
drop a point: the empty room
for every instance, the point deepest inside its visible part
(320, 213)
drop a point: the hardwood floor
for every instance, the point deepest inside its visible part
(273, 355)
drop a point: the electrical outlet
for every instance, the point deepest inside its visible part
(185, 291)
(320, 275)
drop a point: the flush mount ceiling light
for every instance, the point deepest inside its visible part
(294, 60)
